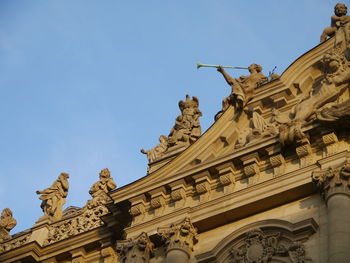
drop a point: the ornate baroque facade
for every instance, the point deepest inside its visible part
(268, 182)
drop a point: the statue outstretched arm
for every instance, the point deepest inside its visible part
(227, 77)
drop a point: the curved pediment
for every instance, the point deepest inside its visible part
(219, 143)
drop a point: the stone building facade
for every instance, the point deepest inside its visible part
(267, 182)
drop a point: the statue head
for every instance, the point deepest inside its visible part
(255, 68)
(340, 9)
(105, 174)
(63, 176)
(6, 213)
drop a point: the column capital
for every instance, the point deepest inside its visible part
(334, 180)
(136, 250)
(181, 236)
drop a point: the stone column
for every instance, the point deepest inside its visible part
(179, 241)
(334, 186)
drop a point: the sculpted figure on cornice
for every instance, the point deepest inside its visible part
(54, 197)
(100, 189)
(187, 127)
(186, 130)
(157, 151)
(338, 21)
(260, 247)
(182, 236)
(243, 88)
(136, 250)
(7, 222)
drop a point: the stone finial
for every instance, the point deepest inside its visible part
(99, 190)
(333, 180)
(339, 19)
(182, 236)
(54, 197)
(7, 222)
(136, 250)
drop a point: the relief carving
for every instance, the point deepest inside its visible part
(182, 236)
(7, 222)
(258, 128)
(186, 130)
(135, 250)
(54, 197)
(14, 242)
(260, 247)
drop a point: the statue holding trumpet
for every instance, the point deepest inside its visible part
(242, 88)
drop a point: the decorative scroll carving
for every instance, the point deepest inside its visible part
(337, 21)
(258, 128)
(54, 197)
(186, 130)
(7, 222)
(100, 189)
(136, 250)
(14, 242)
(84, 220)
(333, 180)
(243, 88)
(182, 236)
(260, 247)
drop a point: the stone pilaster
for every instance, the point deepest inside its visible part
(179, 241)
(135, 250)
(334, 185)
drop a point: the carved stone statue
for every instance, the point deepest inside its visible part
(136, 250)
(156, 152)
(337, 20)
(258, 128)
(7, 222)
(54, 197)
(100, 189)
(187, 128)
(242, 88)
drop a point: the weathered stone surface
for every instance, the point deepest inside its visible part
(135, 250)
(54, 197)
(7, 222)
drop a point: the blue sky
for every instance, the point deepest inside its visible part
(86, 84)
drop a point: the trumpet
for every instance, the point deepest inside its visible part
(199, 65)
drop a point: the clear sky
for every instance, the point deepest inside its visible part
(85, 84)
